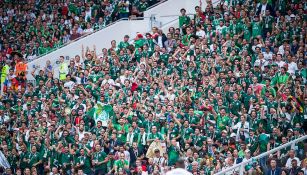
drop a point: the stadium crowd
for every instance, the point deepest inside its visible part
(227, 85)
(35, 27)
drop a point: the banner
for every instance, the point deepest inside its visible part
(102, 113)
(3, 161)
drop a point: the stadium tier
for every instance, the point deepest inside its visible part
(219, 86)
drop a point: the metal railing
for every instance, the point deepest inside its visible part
(241, 165)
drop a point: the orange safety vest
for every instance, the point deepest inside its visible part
(20, 67)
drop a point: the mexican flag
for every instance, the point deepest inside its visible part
(102, 113)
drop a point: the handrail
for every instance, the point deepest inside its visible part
(189, 14)
(242, 164)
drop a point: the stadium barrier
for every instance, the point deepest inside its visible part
(115, 31)
(241, 165)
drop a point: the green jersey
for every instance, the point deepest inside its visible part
(85, 163)
(155, 136)
(184, 20)
(263, 141)
(66, 158)
(120, 164)
(99, 157)
(256, 29)
(173, 154)
(222, 122)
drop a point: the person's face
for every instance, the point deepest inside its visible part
(209, 141)
(122, 156)
(191, 112)
(138, 163)
(294, 163)
(82, 152)
(273, 163)
(34, 149)
(27, 171)
(154, 129)
(97, 147)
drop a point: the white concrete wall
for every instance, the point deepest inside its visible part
(172, 8)
(103, 38)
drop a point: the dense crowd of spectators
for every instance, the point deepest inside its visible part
(227, 85)
(37, 27)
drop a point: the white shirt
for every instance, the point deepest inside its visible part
(267, 56)
(171, 96)
(263, 8)
(78, 80)
(254, 47)
(281, 49)
(76, 106)
(123, 78)
(31, 57)
(77, 64)
(88, 14)
(289, 165)
(159, 161)
(127, 155)
(69, 84)
(219, 29)
(292, 67)
(127, 6)
(4, 118)
(245, 127)
(200, 33)
(110, 81)
(178, 171)
(160, 41)
(81, 135)
(90, 30)
(280, 64)
(262, 62)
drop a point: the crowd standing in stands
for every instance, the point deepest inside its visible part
(35, 27)
(226, 86)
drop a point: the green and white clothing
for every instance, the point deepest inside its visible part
(256, 29)
(156, 135)
(173, 154)
(86, 164)
(100, 157)
(263, 140)
(120, 164)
